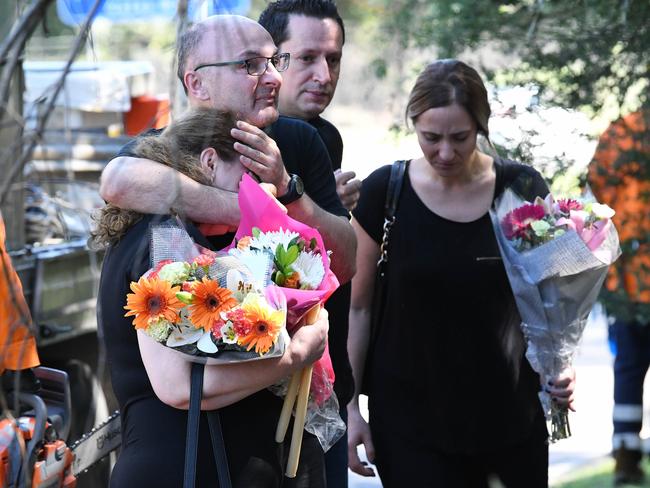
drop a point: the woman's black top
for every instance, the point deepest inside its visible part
(449, 369)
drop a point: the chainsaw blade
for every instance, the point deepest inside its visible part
(96, 444)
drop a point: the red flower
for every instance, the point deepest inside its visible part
(204, 259)
(216, 328)
(516, 224)
(240, 322)
(567, 204)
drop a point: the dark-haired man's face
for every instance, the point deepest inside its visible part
(308, 85)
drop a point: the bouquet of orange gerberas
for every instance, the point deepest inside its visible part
(205, 304)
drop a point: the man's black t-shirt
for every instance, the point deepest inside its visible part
(304, 154)
(338, 305)
(332, 139)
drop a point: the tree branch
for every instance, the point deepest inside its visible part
(42, 120)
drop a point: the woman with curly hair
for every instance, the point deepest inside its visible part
(152, 383)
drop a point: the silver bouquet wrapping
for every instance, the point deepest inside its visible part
(555, 282)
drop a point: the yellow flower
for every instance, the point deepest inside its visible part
(266, 324)
(152, 300)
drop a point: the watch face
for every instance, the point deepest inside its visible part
(300, 186)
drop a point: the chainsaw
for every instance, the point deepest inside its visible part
(33, 452)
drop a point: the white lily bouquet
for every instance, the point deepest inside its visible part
(556, 254)
(208, 305)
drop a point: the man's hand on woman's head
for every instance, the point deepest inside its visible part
(261, 155)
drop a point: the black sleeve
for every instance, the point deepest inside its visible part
(369, 211)
(332, 139)
(129, 148)
(304, 154)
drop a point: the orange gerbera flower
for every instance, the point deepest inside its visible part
(208, 303)
(266, 324)
(152, 300)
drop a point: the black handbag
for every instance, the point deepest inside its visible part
(192, 439)
(395, 184)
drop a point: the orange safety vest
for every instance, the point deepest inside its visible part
(619, 175)
(17, 344)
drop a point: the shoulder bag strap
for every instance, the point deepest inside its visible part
(192, 439)
(395, 184)
(219, 449)
(390, 208)
(193, 420)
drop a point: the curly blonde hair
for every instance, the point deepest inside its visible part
(178, 146)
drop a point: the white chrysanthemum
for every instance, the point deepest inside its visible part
(270, 240)
(159, 331)
(310, 268)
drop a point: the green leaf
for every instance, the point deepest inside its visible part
(185, 297)
(280, 278)
(292, 254)
(280, 255)
(255, 231)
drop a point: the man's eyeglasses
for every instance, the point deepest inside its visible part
(256, 66)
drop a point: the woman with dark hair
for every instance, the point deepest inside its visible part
(152, 382)
(452, 399)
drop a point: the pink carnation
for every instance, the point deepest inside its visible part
(567, 204)
(240, 322)
(216, 328)
(204, 260)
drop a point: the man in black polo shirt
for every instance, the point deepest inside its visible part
(220, 67)
(312, 32)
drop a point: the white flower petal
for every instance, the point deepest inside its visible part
(233, 278)
(186, 335)
(310, 268)
(602, 211)
(270, 240)
(206, 344)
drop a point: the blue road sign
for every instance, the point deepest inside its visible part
(74, 12)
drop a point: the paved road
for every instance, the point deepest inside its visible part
(590, 425)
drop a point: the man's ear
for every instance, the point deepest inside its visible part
(195, 86)
(209, 160)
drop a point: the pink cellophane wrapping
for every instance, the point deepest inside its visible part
(259, 209)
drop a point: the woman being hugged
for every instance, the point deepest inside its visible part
(453, 400)
(152, 382)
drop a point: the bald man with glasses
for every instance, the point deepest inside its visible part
(231, 63)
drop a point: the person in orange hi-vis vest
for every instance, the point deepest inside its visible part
(619, 175)
(17, 344)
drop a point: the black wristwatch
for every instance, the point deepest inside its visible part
(295, 189)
